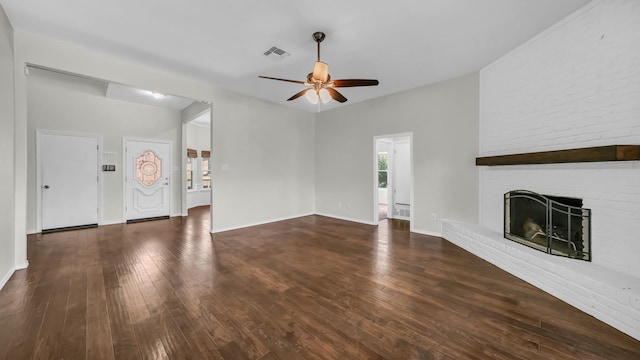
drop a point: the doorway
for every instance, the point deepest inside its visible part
(197, 130)
(393, 177)
(147, 180)
(68, 180)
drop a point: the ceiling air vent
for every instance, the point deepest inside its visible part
(276, 53)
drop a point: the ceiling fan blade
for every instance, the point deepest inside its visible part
(335, 95)
(297, 95)
(272, 78)
(354, 82)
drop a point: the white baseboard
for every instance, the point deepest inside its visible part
(214, 231)
(116, 222)
(23, 265)
(112, 222)
(347, 219)
(427, 232)
(6, 277)
(31, 232)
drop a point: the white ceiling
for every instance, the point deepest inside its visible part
(403, 43)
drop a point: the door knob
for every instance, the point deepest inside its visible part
(46, 186)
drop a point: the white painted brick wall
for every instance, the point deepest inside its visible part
(575, 85)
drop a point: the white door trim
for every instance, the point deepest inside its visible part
(39, 134)
(375, 176)
(124, 171)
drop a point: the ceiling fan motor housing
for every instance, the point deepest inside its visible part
(318, 36)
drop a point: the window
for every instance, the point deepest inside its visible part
(191, 164)
(148, 168)
(382, 170)
(206, 169)
(206, 173)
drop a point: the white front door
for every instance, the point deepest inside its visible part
(69, 180)
(147, 179)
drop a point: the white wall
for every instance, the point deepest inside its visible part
(263, 158)
(444, 121)
(575, 85)
(7, 246)
(198, 137)
(269, 148)
(66, 103)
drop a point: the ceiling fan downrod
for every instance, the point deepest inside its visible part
(318, 37)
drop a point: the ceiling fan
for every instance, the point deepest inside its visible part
(322, 87)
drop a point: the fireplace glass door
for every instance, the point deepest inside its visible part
(556, 225)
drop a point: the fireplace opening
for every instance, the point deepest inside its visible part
(556, 225)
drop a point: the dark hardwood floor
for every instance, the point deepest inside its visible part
(308, 288)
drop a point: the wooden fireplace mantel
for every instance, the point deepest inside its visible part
(591, 154)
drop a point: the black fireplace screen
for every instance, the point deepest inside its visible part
(556, 225)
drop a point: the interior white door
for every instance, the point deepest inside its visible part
(69, 180)
(402, 179)
(147, 179)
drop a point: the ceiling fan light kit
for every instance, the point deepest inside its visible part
(324, 95)
(322, 87)
(320, 72)
(314, 97)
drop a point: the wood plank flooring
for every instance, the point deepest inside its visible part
(308, 288)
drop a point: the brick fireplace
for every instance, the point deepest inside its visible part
(576, 85)
(552, 224)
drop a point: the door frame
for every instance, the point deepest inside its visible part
(375, 176)
(124, 171)
(39, 164)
